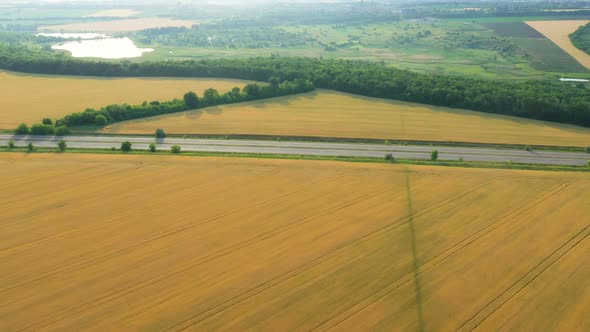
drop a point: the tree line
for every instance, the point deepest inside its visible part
(210, 97)
(536, 99)
(581, 38)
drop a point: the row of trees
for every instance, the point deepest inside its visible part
(581, 38)
(210, 97)
(543, 100)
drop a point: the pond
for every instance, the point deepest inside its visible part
(106, 48)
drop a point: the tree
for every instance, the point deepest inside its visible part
(274, 82)
(47, 121)
(160, 133)
(588, 149)
(191, 100)
(100, 120)
(62, 131)
(22, 129)
(10, 145)
(434, 155)
(152, 147)
(528, 148)
(62, 145)
(175, 149)
(126, 146)
(31, 147)
(389, 157)
(252, 90)
(211, 97)
(41, 129)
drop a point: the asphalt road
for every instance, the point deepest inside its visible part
(311, 148)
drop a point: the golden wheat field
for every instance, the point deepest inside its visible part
(30, 98)
(123, 25)
(332, 114)
(126, 243)
(558, 32)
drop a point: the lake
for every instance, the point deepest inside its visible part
(106, 48)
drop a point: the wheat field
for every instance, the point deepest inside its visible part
(183, 243)
(558, 32)
(330, 114)
(29, 98)
(122, 25)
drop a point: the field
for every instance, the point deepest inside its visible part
(558, 32)
(513, 29)
(119, 25)
(332, 114)
(30, 98)
(171, 243)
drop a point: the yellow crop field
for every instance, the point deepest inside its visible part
(30, 98)
(558, 32)
(123, 25)
(183, 243)
(115, 13)
(332, 114)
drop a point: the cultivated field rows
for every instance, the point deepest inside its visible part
(558, 32)
(214, 243)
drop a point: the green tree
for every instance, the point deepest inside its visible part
(62, 145)
(47, 121)
(41, 129)
(389, 157)
(62, 131)
(22, 129)
(252, 90)
(100, 120)
(31, 147)
(126, 146)
(152, 147)
(588, 149)
(191, 100)
(434, 155)
(160, 133)
(211, 97)
(175, 149)
(10, 145)
(528, 148)
(274, 82)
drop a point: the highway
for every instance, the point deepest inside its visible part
(420, 152)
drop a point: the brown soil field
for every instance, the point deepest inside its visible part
(150, 243)
(558, 32)
(332, 114)
(120, 25)
(30, 98)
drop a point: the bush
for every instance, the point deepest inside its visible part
(41, 129)
(22, 129)
(175, 149)
(31, 147)
(434, 155)
(160, 133)
(100, 120)
(10, 145)
(47, 121)
(191, 100)
(389, 157)
(126, 146)
(528, 148)
(152, 147)
(62, 145)
(62, 131)
(588, 149)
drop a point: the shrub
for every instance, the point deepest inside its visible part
(22, 129)
(160, 133)
(62, 145)
(62, 131)
(588, 149)
(41, 129)
(31, 147)
(100, 120)
(10, 145)
(152, 147)
(191, 100)
(47, 121)
(528, 148)
(389, 157)
(434, 155)
(126, 146)
(175, 149)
